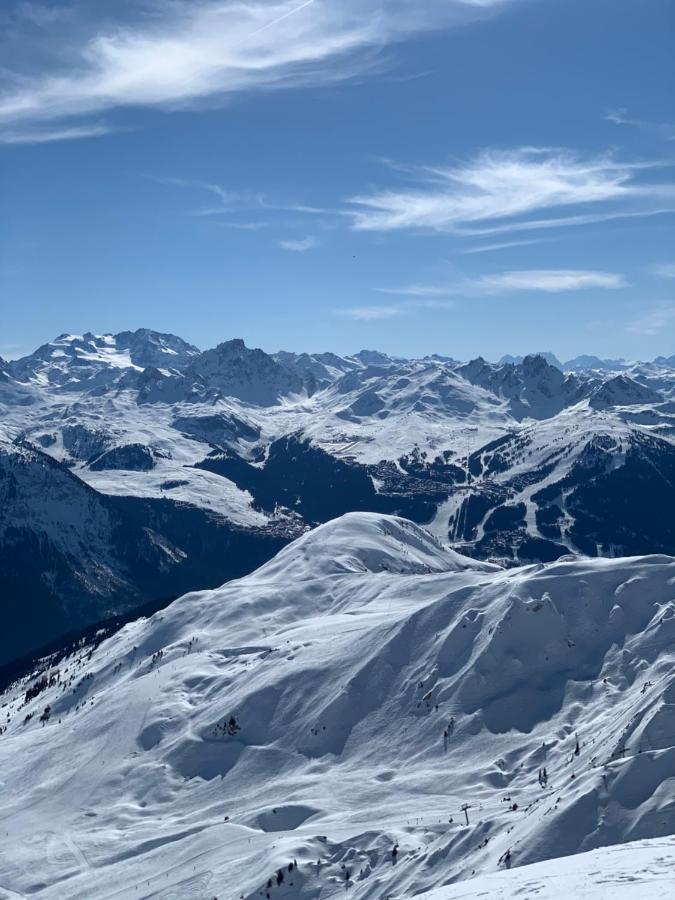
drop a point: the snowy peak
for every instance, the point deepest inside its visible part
(89, 361)
(321, 368)
(425, 388)
(373, 358)
(592, 363)
(152, 348)
(534, 388)
(362, 543)
(622, 391)
(550, 358)
(250, 375)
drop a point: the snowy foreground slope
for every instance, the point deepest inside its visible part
(298, 715)
(643, 870)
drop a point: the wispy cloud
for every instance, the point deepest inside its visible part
(209, 50)
(362, 313)
(506, 245)
(392, 311)
(524, 189)
(548, 281)
(299, 246)
(653, 322)
(664, 130)
(227, 204)
(421, 290)
(49, 135)
(41, 15)
(664, 270)
(246, 226)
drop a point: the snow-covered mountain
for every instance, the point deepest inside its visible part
(623, 391)
(368, 711)
(550, 358)
(88, 361)
(517, 461)
(70, 555)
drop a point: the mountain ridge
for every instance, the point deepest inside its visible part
(513, 463)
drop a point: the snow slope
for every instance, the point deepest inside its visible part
(338, 666)
(642, 870)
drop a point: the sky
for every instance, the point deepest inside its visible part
(459, 177)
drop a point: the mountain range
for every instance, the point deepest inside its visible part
(293, 625)
(155, 453)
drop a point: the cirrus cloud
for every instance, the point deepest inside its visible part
(187, 53)
(547, 281)
(527, 188)
(665, 270)
(366, 313)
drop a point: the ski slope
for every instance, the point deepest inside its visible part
(349, 697)
(643, 870)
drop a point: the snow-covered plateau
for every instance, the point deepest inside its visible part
(368, 714)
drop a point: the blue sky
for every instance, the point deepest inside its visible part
(454, 176)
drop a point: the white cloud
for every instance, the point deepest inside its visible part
(665, 270)
(228, 203)
(370, 312)
(421, 290)
(665, 130)
(394, 310)
(505, 245)
(206, 50)
(654, 321)
(503, 191)
(49, 135)
(550, 281)
(301, 245)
